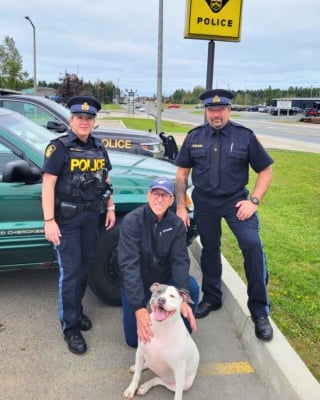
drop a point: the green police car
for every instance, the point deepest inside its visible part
(22, 241)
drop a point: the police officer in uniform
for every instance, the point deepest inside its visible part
(76, 188)
(219, 153)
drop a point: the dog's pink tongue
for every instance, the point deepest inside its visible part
(160, 314)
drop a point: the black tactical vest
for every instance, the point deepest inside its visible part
(83, 179)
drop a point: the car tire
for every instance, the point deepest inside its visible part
(104, 275)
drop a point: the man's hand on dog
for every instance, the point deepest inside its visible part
(186, 311)
(144, 330)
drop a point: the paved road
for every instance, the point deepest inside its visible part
(36, 365)
(273, 142)
(284, 133)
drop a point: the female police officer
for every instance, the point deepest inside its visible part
(219, 154)
(75, 188)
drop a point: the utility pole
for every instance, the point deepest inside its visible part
(34, 56)
(159, 72)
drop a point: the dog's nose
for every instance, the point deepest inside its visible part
(161, 301)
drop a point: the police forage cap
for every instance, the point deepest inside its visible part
(216, 97)
(163, 183)
(84, 105)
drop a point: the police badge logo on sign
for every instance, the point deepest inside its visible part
(216, 5)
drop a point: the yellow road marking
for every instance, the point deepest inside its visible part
(225, 368)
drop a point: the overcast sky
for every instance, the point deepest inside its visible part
(118, 41)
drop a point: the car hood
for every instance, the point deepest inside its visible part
(132, 175)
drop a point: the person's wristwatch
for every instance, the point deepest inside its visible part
(255, 200)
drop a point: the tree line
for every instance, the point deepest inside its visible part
(13, 77)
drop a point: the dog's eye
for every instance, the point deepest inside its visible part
(172, 295)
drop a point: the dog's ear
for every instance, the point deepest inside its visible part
(154, 287)
(185, 296)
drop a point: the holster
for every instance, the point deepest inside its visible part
(67, 210)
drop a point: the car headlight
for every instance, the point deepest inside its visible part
(157, 149)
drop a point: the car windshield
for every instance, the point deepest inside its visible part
(31, 133)
(57, 107)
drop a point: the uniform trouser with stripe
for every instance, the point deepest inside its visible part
(75, 255)
(208, 219)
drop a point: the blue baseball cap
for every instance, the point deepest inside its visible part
(216, 98)
(84, 105)
(163, 183)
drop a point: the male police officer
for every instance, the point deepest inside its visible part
(219, 153)
(75, 189)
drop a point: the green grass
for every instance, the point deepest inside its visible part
(290, 225)
(167, 126)
(111, 107)
(149, 123)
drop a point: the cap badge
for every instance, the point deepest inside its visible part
(216, 99)
(85, 106)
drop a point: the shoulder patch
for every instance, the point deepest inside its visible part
(49, 150)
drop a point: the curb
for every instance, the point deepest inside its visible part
(276, 361)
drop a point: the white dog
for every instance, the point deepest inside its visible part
(171, 354)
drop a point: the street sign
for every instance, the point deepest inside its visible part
(286, 104)
(213, 20)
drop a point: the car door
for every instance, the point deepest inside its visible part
(22, 241)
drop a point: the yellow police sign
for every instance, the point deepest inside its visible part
(213, 20)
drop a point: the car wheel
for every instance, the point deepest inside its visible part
(104, 275)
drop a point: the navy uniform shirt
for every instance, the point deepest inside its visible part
(239, 149)
(56, 154)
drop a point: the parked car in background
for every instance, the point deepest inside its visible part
(173, 106)
(55, 117)
(252, 108)
(263, 109)
(22, 241)
(297, 110)
(311, 112)
(283, 111)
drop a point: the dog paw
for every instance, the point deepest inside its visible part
(142, 389)
(129, 392)
(132, 368)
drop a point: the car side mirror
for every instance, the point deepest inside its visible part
(56, 126)
(20, 171)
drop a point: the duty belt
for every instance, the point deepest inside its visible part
(68, 209)
(89, 206)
